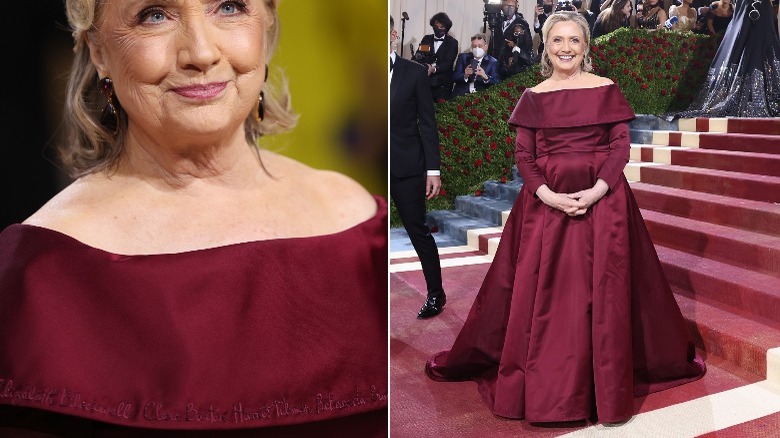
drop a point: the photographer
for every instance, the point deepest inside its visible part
(544, 8)
(510, 18)
(514, 58)
(476, 70)
(437, 52)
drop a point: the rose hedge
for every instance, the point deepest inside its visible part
(658, 72)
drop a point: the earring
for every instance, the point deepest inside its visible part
(109, 118)
(260, 113)
(260, 110)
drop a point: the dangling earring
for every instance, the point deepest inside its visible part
(260, 113)
(109, 118)
(260, 110)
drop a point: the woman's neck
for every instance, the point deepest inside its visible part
(223, 161)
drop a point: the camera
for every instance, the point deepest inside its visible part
(566, 5)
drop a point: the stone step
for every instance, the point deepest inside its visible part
(745, 249)
(455, 224)
(741, 340)
(719, 182)
(729, 286)
(761, 143)
(507, 191)
(735, 161)
(761, 217)
(734, 125)
(487, 209)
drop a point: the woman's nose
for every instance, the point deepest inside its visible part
(198, 43)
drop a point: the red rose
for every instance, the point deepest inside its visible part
(441, 147)
(488, 158)
(455, 141)
(502, 180)
(489, 133)
(448, 153)
(493, 145)
(476, 101)
(473, 111)
(478, 162)
(442, 192)
(477, 192)
(644, 86)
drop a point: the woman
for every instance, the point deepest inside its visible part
(686, 16)
(654, 15)
(720, 15)
(613, 18)
(186, 280)
(574, 317)
(744, 77)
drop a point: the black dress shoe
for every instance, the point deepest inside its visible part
(433, 306)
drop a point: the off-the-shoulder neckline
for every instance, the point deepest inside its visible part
(353, 228)
(570, 89)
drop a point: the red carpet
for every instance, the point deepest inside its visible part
(713, 209)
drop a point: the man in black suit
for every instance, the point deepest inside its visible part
(437, 53)
(414, 165)
(475, 70)
(510, 18)
(541, 13)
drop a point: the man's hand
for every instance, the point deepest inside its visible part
(481, 73)
(538, 10)
(469, 71)
(431, 70)
(432, 186)
(510, 44)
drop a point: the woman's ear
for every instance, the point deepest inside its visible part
(96, 54)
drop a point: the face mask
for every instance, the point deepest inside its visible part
(438, 33)
(547, 9)
(509, 11)
(478, 52)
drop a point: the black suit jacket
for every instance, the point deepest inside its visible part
(444, 59)
(526, 44)
(414, 138)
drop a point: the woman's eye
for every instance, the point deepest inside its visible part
(152, 16)
(231, 8)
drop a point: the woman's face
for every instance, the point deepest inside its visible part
(652, 3)
(565, 46)
(627, 9)
(183, 67)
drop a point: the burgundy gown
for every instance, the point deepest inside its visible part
(575, 316)
(282, 337)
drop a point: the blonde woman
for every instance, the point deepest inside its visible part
(574, 318)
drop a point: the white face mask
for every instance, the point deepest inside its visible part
(478, 52)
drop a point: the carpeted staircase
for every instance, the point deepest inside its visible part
(709, 191)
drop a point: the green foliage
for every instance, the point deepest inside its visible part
(658, 72)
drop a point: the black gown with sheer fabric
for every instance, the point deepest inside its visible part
(744, 77)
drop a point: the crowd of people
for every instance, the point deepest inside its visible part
(453, 74)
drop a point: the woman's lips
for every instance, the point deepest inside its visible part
(201, 91)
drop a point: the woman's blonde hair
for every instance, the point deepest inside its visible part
(91, 147)
(552, 20)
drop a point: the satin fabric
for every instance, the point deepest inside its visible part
(575, 317)
(282, 332)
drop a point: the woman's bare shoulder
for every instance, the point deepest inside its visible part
(337, 197)
(68, 209)
(593, 80)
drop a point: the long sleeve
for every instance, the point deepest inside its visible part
(525, 156)
(619, 152)
(426, 121)
(492, 71)
(460, 69)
